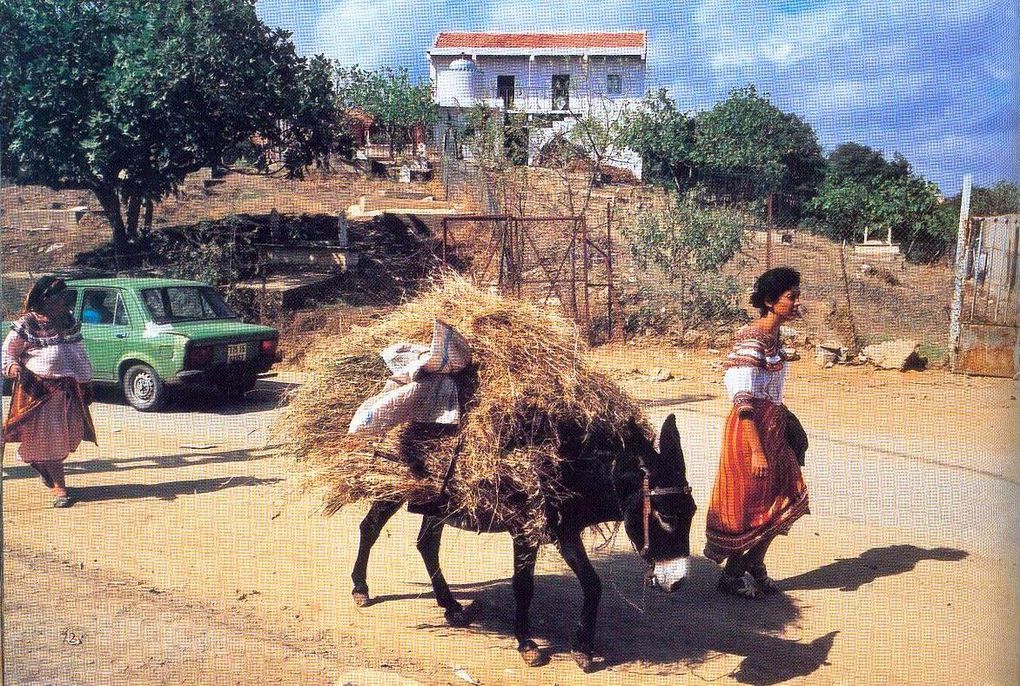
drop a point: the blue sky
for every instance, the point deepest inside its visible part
(935, 81)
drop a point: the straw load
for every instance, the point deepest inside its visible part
(528, 387)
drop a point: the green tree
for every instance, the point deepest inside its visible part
(989, 201)
(126, 97)
(859, 163)
(689, 242)
(318, 126)
(863, 192)
(664, 137)
(395, 103)
(747, 147)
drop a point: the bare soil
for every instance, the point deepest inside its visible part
(188, 559)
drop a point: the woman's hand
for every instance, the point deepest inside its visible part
(14, 371)
(759, 464)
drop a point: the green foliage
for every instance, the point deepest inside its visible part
(664, 138)
(218, 252)
(862, 191)
(485, 131)
(856, 162)
(1001, 198)
(689, 242)
(388, 95)
(126, 97)
(747, 147)
(686, 237)
(318, 126)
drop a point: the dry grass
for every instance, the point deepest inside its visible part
(528, 388)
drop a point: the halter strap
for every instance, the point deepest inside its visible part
(646, 504)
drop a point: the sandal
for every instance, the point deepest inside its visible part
(743, 586)
(764, 581)
(62, 501)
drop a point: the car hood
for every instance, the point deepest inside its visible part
(214, 332)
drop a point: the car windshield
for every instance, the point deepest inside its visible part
(185, 303)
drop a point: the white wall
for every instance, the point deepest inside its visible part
(533, 79)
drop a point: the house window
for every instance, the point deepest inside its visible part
(561, 91)
(614, 84)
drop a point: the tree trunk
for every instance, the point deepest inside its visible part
(110, 202)
(134, 207)
(147, 225)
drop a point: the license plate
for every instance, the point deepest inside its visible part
(236, 352)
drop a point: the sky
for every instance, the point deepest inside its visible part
(934, 81)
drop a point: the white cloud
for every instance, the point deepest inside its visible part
(894, 74)
(373, 33)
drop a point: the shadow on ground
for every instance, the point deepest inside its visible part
(849, 574)
(165, 490)
(665, 634)
(267, 395)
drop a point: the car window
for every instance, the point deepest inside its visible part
(153, 299)
(120, 315)
(71, 298)
(103, 306)
(186, 303)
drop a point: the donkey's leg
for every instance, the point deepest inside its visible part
(572, 550)
(525, 555)
(371, 526)
(428, 545)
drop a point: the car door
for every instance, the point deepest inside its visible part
(106, 330)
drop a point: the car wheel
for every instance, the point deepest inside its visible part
(143, 388)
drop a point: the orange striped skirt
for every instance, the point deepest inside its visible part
(745, 509)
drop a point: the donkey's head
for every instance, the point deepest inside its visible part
(657, 504)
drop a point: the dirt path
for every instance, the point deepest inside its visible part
(185, 562)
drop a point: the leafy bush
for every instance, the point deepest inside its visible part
(688, 243)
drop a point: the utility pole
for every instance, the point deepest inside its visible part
(961, 272)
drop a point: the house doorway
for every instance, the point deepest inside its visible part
(561, 91)
(505, 90)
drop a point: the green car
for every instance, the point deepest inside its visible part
(145, 334)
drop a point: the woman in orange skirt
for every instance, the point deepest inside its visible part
(759, 491)
(49, 414)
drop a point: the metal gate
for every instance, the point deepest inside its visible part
(551, 260)
(989, 304)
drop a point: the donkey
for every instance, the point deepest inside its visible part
(626, 480)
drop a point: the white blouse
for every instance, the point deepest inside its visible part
(50, 357)
(755, 369)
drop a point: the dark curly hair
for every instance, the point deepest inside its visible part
(772, 284)
(45, 287)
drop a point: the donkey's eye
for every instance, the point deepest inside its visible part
(667, 523)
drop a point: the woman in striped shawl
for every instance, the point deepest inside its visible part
(49, 412)
(759, 491)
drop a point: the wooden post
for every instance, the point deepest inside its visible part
(609, 272)
(961, 272)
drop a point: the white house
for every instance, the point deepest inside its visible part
(548, 79)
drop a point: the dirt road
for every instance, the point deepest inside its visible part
(187, 561)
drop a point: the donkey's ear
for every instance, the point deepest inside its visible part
(669, 444)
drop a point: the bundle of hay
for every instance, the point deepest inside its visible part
(528, 382)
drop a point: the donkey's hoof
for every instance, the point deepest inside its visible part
(531, 655)
(361, 598)
(457, 618)
(584, 660)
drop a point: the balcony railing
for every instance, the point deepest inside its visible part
(576, 100)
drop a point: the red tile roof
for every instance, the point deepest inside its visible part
(631, 39)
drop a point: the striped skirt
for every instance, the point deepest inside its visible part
(745, 509)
